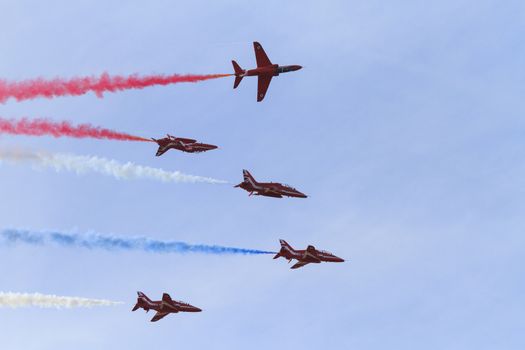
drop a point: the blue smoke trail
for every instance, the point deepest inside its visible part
(106, 242)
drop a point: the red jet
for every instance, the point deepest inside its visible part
(310, 255)
(268, 189)
(163, 307)
(182, 144)
(265, 71)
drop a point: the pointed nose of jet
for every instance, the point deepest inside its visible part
(295, 67)
(195, 309)
(301, 195)
(338, 259)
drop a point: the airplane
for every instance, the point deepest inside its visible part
(268, 189)
(182, 144)
(303, 257)
(163, 307)
(265, 71)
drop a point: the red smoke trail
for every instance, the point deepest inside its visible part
(41, 127)
(30, 89)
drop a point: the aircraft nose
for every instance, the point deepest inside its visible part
(338, 259)
(196, 309)
(297, 67)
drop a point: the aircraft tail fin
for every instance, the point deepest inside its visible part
(247, 176)
(142, 299)
(285, 245)
(237, 68)
(239, 74)
(143, 296)
(237, 81)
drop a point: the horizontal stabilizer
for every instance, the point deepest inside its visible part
(238, 70)
(237, 81)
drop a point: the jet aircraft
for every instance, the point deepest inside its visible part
(163, 307)
(303, 257)
(182, 144)
(265, 71)
(268, 189)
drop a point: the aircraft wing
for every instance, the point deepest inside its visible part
(262, 86)
(159, 315)
(260, 55)
(299, 264)
(272, 193)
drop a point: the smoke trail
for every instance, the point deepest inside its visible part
(104, 166)
(17, 300)
(41, 127)
(30, 89)
(108, 242)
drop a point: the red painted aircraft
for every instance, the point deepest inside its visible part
(182, 144)
(268, 189)
(265, 71)
(163, 307)
(303, 257)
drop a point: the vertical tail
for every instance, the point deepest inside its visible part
(286, 250)
(285, 246)
(239, 74)
(248, 177)
(142, 296)
(142, 302)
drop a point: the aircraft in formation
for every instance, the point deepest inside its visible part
(182, 144)
(307, 256)
(167, 305)
(163, 307)
(268, 189)
(265, 71)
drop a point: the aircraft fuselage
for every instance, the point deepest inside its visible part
(271, 189)
(163, 307)
(268, 189)
(307, 256)
(273, 70)
(181, 144)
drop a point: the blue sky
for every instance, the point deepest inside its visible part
(405, 128)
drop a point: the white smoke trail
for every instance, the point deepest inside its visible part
(17, 300)
(104, 166)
